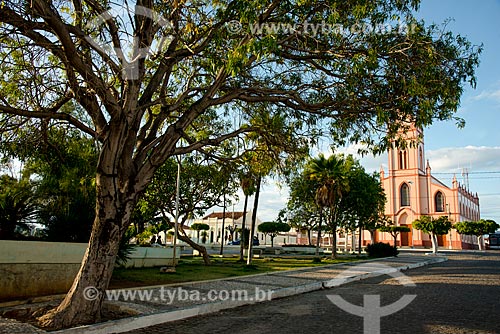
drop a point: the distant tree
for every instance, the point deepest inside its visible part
(275, 153)
(247, 184)
(362, 206)
(199, 227)
(478, 228)
(273, 229)
(331, 177)
(17, 205)
(433, 227)
(63, 167)
(301, 210)
(245, 236)
(375, 223)
(204, 236)
(394, 231)
(202, 186)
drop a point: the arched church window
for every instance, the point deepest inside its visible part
(439, 202)
(421, 158)
(403, 160)
(405, 195)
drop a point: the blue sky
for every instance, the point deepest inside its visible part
(449, 149)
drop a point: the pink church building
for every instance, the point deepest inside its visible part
(412, 191)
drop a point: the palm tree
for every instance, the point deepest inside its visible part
(330, 178)
(17, 205)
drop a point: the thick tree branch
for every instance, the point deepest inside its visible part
(50, 113)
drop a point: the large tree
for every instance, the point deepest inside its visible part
(138, 104)
(203, 185)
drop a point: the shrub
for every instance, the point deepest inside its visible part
(380, 249)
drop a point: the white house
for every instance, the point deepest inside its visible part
(233, 221)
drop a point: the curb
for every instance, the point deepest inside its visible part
(141, 321)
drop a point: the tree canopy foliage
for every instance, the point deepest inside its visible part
(353, 198)
(17, 205)
(434, 227)
(394, 231)
(57, 173)
(478, 228)
(273, 229)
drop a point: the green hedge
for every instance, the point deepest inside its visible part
(380, 249)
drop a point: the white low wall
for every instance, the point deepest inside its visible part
(152, 257)
(36, 268)
(301, 250)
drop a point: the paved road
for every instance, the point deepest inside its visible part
(458, 296)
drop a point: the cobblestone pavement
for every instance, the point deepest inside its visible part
(460, 296)
(157, 305)
(10, 326)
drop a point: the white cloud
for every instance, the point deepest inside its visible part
(443, 160)
(475, 158)
(369, 162)
(487, 95)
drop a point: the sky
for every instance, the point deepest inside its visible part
(448, 148)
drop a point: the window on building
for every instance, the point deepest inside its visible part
(439, 202)
(421, 158)
(402, 160)
(405, 195)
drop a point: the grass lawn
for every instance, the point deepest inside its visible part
(192, 269)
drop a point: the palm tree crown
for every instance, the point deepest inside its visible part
(330, 175)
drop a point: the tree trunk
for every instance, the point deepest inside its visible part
(353, 240)
(242, 238)
(318, 240)
(83, 302)
(360, 240)
(480, 242)
(346, 240)
(309, 236)
(201, 249)
(272, 241)
(372, 236)
(334, 240)
(434, 243)
(254, 218)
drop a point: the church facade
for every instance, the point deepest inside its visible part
(412, 192)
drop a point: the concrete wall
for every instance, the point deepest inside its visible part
(35, 268)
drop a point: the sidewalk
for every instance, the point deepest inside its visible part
(161, 304)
